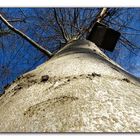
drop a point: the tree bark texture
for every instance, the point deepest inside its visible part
(78, 90)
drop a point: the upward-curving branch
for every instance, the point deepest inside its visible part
(36, 45)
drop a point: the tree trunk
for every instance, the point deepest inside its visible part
(78, 90)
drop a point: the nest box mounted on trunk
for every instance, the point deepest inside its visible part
(103, 36)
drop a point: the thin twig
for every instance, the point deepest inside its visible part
(36, 45)
(60, 26)
(16, 20)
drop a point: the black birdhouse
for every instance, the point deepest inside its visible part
(103, 36)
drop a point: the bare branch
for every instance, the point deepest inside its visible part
(102, 14)
(98, 18)
(16, 20)
(128, 43)
(60, 26)
(125, 45)
(36, 45)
